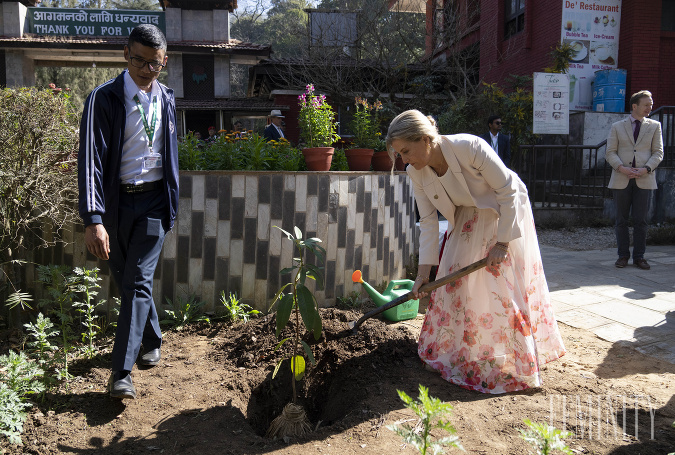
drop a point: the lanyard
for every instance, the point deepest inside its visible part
(150, 132)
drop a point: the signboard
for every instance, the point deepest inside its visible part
(592, 29)
(552, 97)
(90, 22)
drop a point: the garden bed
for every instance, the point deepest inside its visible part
(213, 393)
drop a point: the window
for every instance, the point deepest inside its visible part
(514, 17)
(668, 15)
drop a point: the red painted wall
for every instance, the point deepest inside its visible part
(645, 51)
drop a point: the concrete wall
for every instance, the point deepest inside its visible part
(221, 71)
(19, 70)
(224, 238)
(13, 19)
(174, 68)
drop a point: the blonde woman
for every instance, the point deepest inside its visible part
(492, 329)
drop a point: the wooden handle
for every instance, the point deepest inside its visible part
(454, 276)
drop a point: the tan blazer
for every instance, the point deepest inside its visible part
(621, 148)
(480, 179)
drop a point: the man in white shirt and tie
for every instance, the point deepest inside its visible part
(500, 142)
(273, 131)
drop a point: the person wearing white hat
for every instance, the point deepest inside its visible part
(273, 131)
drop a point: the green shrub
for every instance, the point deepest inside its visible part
(184, 312)
(431, 412)
(235, 310)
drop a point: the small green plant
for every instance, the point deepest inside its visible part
(431, 412)
(316, 119)
(365, 124)
(61, 285)
(20, 374)
(12, 414)
(185, 311)
(86, 286)
(349, 302)
(40, 333)
(301, 302)
(236, 311)
(545, 438)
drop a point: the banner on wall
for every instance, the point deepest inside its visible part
(90, 22)
(551, 101)
(592, 29)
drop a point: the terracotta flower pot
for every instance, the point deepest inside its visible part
(318, 158)
(359, 159)
(381, 161)
(400, 165)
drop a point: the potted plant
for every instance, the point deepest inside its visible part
(365, 127)
(318, 130)
(382, 160)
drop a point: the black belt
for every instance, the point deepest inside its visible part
(130, 188)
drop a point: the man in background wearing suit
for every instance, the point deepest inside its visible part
(634, 149)
(273, 131)
(500, 142)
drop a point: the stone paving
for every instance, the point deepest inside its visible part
(629, 305)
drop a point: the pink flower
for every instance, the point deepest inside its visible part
(443, 318)
(499, 337)
(471, 373)
(431, 352)
(521, 322)
(486, 352)
(469, 338)
(460, 357)
(453, 286)
(468, 226)
(494, 270)
(457, 303)
(485, 320)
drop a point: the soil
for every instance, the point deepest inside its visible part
(213, 392)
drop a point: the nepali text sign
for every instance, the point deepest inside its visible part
(551, 99)
(592, 29)
(90, 22)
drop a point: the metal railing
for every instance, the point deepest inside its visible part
(564, 176)
(666, 115)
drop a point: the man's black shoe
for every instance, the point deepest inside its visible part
(151, 358)
(121, 388)
(621, 262)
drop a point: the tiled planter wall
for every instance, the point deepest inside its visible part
(225, 239)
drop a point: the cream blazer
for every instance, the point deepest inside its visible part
(647, 150)
(477, 175)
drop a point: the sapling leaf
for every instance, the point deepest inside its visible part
(306, 306)
(287, 270)
(284, 312)
(288, 234)
(276, 368)
(298, 367)
(308, 351)
(298, 233)
(279, 344)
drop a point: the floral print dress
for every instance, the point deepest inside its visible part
(490, 330)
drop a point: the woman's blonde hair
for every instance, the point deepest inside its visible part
(411, 125)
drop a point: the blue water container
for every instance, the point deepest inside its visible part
(609, 91)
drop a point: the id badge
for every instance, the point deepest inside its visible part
(152, 161)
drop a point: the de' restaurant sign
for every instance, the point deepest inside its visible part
(90, 22)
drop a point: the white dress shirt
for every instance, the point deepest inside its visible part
(495, 141)
(135, 139)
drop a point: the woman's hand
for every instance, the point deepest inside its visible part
(497, 254)
(422, 278)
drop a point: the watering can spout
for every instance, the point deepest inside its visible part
(378, 298)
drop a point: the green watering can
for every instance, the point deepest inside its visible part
(389, 301)
(395, 289)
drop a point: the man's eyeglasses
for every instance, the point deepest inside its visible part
(496, 123)
(138, 62)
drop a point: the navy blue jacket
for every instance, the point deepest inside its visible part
(503, 144)
(271, 133)
(100, 155)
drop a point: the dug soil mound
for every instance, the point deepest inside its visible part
(213, 392)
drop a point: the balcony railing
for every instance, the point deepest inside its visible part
(564, 176)
(666, 115)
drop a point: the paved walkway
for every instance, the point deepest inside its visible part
(626, 305)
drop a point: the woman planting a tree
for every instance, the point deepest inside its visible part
(490, 330)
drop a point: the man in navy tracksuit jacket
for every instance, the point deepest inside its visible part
(128, 185)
